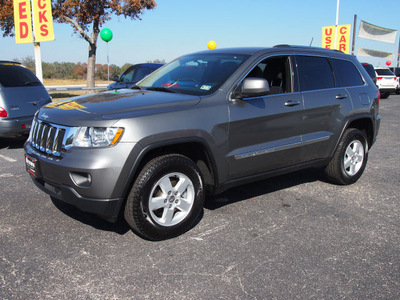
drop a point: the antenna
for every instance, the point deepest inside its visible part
(311, 41)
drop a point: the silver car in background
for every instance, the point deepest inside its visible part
(21, 95)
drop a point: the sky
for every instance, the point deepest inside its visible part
(178, 27)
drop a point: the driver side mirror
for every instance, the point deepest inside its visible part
(252, 87)
(116, 78)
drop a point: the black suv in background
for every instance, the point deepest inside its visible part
(132, 75)
(201, 124)
(370, 70)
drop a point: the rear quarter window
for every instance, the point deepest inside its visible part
(346, 73)
(315, 73)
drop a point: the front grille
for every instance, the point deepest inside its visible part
(50, 138)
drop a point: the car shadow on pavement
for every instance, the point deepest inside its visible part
(228, 197)
(12, 143)
(120, 226)
(262, 187)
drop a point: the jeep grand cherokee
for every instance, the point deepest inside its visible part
(201, 124)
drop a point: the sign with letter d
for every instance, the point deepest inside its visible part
(22, 21)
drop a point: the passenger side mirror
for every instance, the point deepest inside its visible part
(116, 78)
(252, 87)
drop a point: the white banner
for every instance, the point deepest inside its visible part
(374, 53)
(376, 33)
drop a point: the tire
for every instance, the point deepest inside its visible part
(349, 161)
(166, 198)
(385, 95)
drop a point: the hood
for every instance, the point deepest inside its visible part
(112, 106)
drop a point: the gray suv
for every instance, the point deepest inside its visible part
(201, 124)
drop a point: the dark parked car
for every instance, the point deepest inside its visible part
(132, 75)
(21, 95)
(370, 70)
(201, 124)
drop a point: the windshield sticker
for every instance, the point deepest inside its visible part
(205, 87)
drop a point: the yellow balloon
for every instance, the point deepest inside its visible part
(212, 45)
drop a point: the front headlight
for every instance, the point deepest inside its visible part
(97, 136)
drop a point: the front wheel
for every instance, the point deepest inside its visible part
(350, 158)
(166, 199)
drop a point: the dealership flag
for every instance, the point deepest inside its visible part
(42, 20)
(374, 53)
(22, 21)
(376, 33)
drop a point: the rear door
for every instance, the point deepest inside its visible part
(325, 107)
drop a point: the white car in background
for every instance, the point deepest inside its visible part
(386, 81)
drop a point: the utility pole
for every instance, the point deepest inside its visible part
(337, 23)
(354, 35)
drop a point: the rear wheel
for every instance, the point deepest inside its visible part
(350, 158)
(166, 198)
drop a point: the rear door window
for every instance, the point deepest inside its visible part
(346, 73)
(315, 73)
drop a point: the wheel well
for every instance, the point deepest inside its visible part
(196, 151)
(365, 125)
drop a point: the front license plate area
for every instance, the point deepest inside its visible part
(31, 165)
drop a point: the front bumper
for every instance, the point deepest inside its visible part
(90, 179)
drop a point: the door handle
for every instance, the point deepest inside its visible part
(292, 103)
(341, 96)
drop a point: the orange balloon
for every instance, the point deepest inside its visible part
(212, 45)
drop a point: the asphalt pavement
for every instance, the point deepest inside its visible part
(290, 237)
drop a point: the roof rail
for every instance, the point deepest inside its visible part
(308, 47)
(9, 62)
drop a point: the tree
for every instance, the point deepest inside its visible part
(86, 17)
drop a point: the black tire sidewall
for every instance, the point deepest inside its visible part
(351, 136)
(153, 172)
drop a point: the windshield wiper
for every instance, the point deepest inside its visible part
(32, 83)
(136, 87)
(160, 89)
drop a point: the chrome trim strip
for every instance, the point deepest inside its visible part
(266, 151)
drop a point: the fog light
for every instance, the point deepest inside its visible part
(81, 179)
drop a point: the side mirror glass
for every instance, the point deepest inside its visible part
(116, 78)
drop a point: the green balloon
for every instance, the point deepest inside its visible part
(106, 34)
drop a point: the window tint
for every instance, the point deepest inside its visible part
(346, 73)
(276, 70)
(384, 72)
(315, 73)
(16, 76)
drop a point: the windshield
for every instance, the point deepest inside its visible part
(196, 74)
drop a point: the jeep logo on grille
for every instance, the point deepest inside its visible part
(44, 116)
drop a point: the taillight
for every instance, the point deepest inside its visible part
(379, 78)
(3, 113)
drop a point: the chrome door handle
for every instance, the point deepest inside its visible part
(292, 103)
(341, 96)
